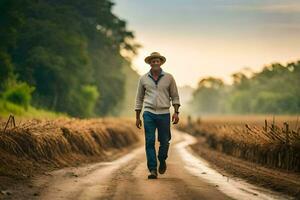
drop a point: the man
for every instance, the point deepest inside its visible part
(155, 90)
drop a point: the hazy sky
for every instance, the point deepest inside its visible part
(213, 37)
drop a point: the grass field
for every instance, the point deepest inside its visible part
(7, 108)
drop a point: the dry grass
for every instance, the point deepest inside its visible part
(273, 142)
(61, 142)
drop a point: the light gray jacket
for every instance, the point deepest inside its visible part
(156, 95)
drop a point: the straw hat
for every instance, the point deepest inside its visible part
(155, 55)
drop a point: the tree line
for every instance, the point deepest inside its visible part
(274, 90)
(64, 55)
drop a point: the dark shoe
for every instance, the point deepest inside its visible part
(162, 166)
(153, 174)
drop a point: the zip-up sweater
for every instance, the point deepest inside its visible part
(156, 95)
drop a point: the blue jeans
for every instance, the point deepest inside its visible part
(161, 122)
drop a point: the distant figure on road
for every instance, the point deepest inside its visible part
(155, 90)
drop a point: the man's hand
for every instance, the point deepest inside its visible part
(138, 123)
(175, 118)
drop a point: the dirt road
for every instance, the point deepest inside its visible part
(187, 177)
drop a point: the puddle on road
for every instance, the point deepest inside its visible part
(236, 189)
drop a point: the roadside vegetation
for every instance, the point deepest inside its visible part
(263, 150)
(35, 145)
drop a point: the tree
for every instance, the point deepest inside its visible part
(61, 47)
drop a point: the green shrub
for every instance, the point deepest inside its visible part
(20, 94)
(83, 101)
(90, 95)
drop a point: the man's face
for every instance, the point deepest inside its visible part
(155, 63)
